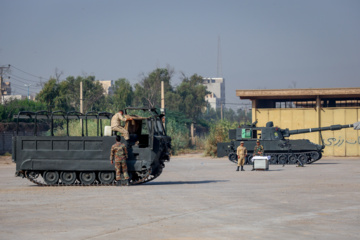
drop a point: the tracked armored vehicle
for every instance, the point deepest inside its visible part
(276, 144)
(85, 160)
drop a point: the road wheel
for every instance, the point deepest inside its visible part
(315, 156)
(106, 177)
(282, 159)
(87, 178)
(273, 159)
(302, 158)
(51, 177)
(248, 160)
(68, 178)
(233, 157)
(292, 159)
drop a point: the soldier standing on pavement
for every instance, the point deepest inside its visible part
(241, 152)
(258, 151)
(119, 152)
(116, 124)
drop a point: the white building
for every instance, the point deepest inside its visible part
(107, 86)
(216, 87)
(8, 98)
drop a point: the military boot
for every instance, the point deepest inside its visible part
(125, 182)
(237, 169)
(242, 168)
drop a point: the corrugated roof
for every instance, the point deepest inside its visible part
(299, 93)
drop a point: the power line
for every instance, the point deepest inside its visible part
(17, 77)
(23, 88)
(26, 72)
(14, 78)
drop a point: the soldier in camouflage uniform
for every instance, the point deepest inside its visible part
(119, 152)
(258, 151)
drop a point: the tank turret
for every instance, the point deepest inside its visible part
(276, 143)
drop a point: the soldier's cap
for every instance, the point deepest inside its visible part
(241, 142)
(258, 141)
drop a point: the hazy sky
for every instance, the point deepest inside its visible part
(264, 43)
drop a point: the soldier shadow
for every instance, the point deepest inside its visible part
(185, 182)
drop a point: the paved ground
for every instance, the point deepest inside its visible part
(194, 198)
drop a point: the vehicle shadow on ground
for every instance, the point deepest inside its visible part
(185, 182)
(323, 163)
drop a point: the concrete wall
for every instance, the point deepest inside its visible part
(6, 140)
(345, 142)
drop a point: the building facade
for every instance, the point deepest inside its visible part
(216, 87)
(309, 108)
(107, 86)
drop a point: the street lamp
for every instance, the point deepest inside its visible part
(27, 85)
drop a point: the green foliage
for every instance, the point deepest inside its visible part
(212, 116)
(179, 134)
(15, 106)
(49, 93)
(188, 97)
(65, 95)
(123, 95)
(75, 128)
(147, 92)
(7, 154)
(219, 132)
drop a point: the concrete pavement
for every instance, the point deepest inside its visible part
(195, 198)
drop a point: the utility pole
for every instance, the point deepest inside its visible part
(3, 70)
(81, 98)
(222, 117)
(163, 102)
(81, 108)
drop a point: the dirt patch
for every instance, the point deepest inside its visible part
(5, 160)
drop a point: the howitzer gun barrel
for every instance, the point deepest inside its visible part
(329, 128)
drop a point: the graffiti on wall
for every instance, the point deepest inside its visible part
(337, 142)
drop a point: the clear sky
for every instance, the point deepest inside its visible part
(264, 43)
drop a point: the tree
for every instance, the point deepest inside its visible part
(123, 94)
(192, 94)
(49, 93)
(147, 92)
(13, 107)
(65, 95)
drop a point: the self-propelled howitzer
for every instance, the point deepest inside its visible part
(276, 144)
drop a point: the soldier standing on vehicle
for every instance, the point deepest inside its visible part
(116, 124)
(258, 151)
(119, 152)
(241, 152)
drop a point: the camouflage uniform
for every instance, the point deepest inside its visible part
(116, 125)
(119, 152)
(259, 150)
